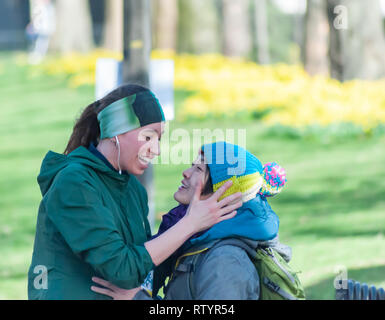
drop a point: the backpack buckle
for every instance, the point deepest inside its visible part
(185, 267)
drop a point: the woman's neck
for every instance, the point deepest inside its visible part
(108, 150)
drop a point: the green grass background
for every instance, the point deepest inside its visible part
(332, 210)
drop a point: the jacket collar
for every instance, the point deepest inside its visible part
(86, 157)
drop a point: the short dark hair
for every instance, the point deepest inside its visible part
(208, 187)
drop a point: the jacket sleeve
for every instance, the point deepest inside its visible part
(75, 209)
(227, 273)
(145, 210)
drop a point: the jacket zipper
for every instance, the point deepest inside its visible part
(271, 254)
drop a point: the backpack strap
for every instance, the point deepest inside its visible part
(199, 258)
(252, 255)
(272, 286)
(188, 267)
(183, 267)
(191, 275)
(238, 243)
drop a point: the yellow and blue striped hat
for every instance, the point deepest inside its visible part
(227, 161)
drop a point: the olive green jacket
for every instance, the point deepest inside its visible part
(92, 221)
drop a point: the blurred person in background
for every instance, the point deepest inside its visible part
(40, 29)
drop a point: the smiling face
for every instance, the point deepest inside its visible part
(138, 147)
(197, 172)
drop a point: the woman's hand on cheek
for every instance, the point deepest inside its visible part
(113, 291)
(203, 214)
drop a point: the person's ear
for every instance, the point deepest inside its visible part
(115, 141)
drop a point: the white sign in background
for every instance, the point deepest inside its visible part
(108, 76)
(161, 78)
(162, 84)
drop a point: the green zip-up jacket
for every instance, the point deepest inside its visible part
(92, 221)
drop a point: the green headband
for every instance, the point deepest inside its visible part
(128, 113)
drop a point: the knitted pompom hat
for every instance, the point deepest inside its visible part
(227, 161)
(274, 179)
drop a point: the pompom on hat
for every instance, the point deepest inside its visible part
(232, 162)
(274, 179)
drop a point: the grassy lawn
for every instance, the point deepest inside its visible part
(332, 210)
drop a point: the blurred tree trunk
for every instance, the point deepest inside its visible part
(73, 26)
(299, 34)
(113, 29)
(357, 43)
(236, 27)
(198, 26)
(165, 24)
(316, 38)
(261, 31)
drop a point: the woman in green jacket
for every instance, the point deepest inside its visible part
(92, 220)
